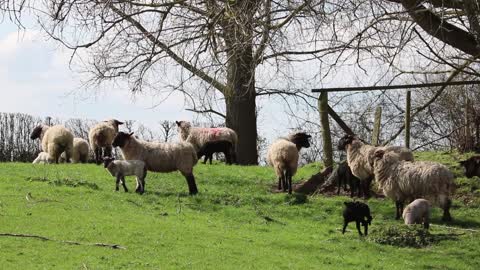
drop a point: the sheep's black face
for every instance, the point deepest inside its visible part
(301, 139)
(107, 161)
(472, 166)
(121, 139)
(344, 141)
(36, 133)
(118, 123)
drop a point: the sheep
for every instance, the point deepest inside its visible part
(358, 212)
(343, 175)
(360, 158)
(101, 136)
(406, 180)
(42, 158)
(283, 156)
(417, 212)
(55, 140)
(80, 153)
(472, 166)
(198, 136)
(160, 157)
(121, 168)
(209, 148)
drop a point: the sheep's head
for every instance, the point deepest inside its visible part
(472, 166)
(121, 139)
(183, 128)
(37, 132)
(115, 123)
(107, 161)
(300, 139)
(346, 140)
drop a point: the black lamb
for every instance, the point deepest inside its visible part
(209, 148)
(358, 212)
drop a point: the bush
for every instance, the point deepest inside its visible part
(402, 236)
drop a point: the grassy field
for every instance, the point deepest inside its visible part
(235, 222)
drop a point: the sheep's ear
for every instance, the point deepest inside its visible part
(178, 123)
(130, 134)
(119, 123)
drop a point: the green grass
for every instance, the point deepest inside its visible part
(234, 222)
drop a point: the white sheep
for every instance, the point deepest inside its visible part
(55, 140)
(417, 212)
(121, 168)
(198, 136)
(283, 155)
(101, 137)
(405, 180)
(360, 158)
(80, 153)
(160, 157)
(42, 158)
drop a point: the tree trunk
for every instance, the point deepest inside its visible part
(327, 139)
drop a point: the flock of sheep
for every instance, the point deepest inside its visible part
(393, 168)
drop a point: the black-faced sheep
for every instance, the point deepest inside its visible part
(360, 158)
(160, 157)
(472, 166)
(101, 137)
(358, 212)
(209, 148)
(198, 136)
(121, 168)
(55, 140)
(404, 181)
(283, 155)
(417, 212)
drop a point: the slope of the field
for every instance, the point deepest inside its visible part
(235, 222)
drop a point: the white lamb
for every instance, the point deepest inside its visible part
(404, 181)
(360, 158)
(198, 136)
(81, 151)
(101, 137)
(283, 155)
(42, 158)
(121, 168)
(160, 157)
(417, 212)
(55, 140)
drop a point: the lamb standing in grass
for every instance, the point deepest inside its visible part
(55, 140)
(160, 157)
(283, 155)
(121, 168)
(360, 158)
(81, 151)
(417, 212)
(358, 212)
(198, 136)
(42, 158)
(404, 181)
(209, 148)
(101, 137)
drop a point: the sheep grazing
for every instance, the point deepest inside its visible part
(404, 181)
(358, 212)
(360, 158)
(121, 168)
(198, 136)
(342, 175)
(81, 151)
(283, 155)
(42, 158)
(472, 166)
(160, 157)
(209, 148)
(55, 140)
(101, 137)
(417, 212)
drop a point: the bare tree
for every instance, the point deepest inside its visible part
(168, 130)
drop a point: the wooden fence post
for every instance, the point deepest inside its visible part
(407, 119)
(326, 136)
(376, 126)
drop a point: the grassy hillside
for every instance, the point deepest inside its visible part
(235, 222)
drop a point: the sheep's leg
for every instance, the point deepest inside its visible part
(124, 185)
(365, 225)
(108, 151)
(289, 179)
(399, 209)
(140, 185)
(97, 151)
(192, 186)
(284, 181)
(446, 210)
(279, 183)
(117, 182)
(366, 187)
(228, 157)
(210, 158)
(344, 226)
(358, 227)
(205, 159)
